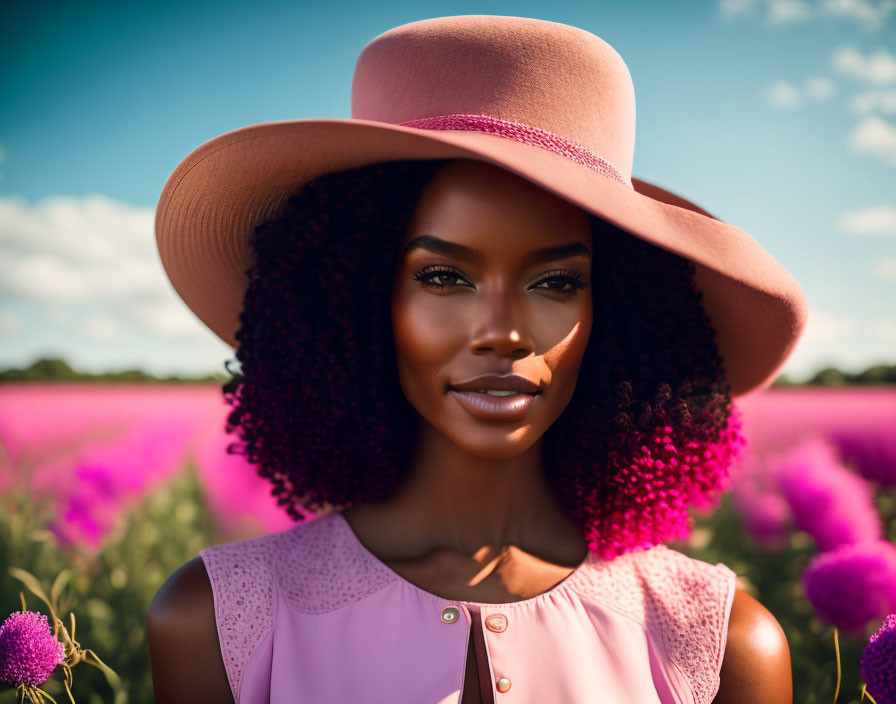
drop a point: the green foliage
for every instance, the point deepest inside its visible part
(873, 376)
(54, 369)
(772, 577)
(58, 370)
(110, 590)
(830, 376)
(878, 375)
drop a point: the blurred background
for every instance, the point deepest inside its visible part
(778, 116)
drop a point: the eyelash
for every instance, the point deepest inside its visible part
(571, 277)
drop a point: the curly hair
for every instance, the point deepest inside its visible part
(649, 432)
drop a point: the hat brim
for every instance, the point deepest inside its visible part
(222, 190)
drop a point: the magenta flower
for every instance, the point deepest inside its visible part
(878, 664)
(871, 450)
(89, 512)
(29, 652)
(830, 502)
(766, 516)
(755, 497)
(109, 478)
(853, 584)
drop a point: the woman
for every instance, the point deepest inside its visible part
(510, 401)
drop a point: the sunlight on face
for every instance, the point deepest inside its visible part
(471, 296)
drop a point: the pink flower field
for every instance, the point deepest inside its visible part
(98, 448)
(813, 459)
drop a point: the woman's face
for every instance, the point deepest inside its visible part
(472, 296)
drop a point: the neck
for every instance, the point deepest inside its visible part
(475, 505)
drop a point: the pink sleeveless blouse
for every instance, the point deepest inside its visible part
(309, 616)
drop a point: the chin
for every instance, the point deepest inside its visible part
(492, 441)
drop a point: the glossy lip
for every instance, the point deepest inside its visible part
(498, 382)
(489, 407)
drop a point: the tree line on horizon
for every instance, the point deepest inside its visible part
(57, 369)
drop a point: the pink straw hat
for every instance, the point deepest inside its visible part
(549, 102)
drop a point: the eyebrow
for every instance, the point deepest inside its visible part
(459, 251)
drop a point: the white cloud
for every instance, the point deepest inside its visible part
(883, 330)
(733, 8)
(63, 253)
(10, 322)
(874, 136)
(871, 13)
(58, 314)
(778, 13)
(884, 269)
(100, 327)
(784, 94)
(882, 101)
(880, 220)
(819, 88)
(845, 339)
(823, 328)
(45, 278)
(86, 229)
(878, 68)
(787, 11)
(169, 321)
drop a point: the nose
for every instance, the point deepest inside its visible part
(501, 329)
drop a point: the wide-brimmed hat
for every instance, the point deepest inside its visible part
(549, 102)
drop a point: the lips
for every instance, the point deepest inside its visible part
(488, 407)
(498, 382)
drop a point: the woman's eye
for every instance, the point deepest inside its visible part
(567, 282)
(438, 278)
(558, 284)
(443, 279)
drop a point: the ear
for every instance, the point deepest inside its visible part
(756, 664)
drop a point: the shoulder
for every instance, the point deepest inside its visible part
(709, 626)
(200, 637)
(756, 665)
(183, 641)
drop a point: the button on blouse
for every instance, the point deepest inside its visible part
(309, 616)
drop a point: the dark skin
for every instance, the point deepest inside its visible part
(477, 489)
(486, 526)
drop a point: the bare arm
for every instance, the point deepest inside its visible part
(756, 666)
(184, 651)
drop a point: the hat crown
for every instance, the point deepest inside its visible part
(543, 74)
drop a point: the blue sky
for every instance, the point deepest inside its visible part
(778, 116)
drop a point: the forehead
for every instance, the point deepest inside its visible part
(480, 206)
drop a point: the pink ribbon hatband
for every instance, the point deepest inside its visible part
(519, 132)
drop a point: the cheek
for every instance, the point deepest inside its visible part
(424, 342)
(566, 351)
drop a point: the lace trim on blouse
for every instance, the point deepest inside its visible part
(318, 568)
